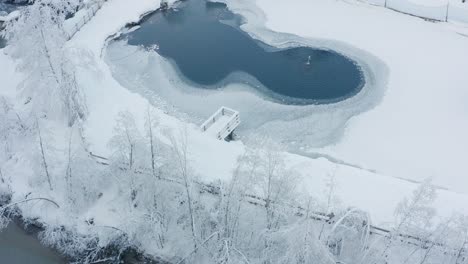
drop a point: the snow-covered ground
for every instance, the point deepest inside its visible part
(419, 129)
(416, 131)
(406, 138)
(441, 10)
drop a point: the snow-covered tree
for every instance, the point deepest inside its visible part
(180, 151)
(331, 198)
(128, 154)
(125, 140)
(275, 183)
(230, 243)
(38, 40)
(413, 217)
(151, 125)
(298, 243)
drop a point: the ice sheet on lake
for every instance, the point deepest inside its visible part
(148, 73)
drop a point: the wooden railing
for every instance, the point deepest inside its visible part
(226, 130)
(89, 12)
(229, 128)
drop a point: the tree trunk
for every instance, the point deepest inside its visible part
(44, 161)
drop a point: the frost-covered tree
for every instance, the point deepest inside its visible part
(42, 148)
(151, 125)
(12, 129)
(232, 207)
(179, 145)
(127, 153)
(38, 40)
(275, 183)
(298, 243)
(413, 216)
(460, 240)
(331, 199)
(349, 236)
(416, 212)
(125, 140)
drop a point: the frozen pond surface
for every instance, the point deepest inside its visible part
(298, 123)
(18, 247)
(204, 41)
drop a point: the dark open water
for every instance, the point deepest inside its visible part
(18, 247)
(206, 44)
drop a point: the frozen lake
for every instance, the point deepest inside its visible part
(300, 112)
(207, 47)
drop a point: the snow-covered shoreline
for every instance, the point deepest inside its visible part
(143, 61)
(100, 125)
(106, 98)
(422, 111)
(156, 79)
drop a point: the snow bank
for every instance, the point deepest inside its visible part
(435, 9)
(369, 191)
(458, 12)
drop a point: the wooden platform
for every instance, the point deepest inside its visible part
(222, 123)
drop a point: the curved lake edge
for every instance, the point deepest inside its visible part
(254, 86)
(240, 76)
(254, 24)
(375, 70)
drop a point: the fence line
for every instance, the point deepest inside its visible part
(89, 13)
(452, 11)
(328, 218)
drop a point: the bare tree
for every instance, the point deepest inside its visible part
(43, 156)
(180, 151)
(69, 162)
(413, 216)
(232, 202)
(461, 244)
(125, 139)
(151, 123)
(124, 143)
(331, 186)
(37, 38)
(276, 183)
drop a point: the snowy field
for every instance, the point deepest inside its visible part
(403, 137)
(394, 138)
(419, 129)
(441, 10)
(414, 127)
(408, 122)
